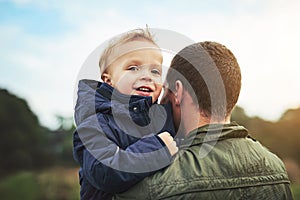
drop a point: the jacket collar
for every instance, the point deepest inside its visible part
(110, 93)
(94, 96)
(106, 97)
(215, 132)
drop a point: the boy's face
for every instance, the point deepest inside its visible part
(135, 69)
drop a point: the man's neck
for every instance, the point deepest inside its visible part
(204, 121)
(192, 117)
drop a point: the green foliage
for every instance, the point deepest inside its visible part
(61, 142)
(59, 184)
(25, 144)
(19, 186)
(23, 140)
(296, 191)
(52, 184)
(240, 116)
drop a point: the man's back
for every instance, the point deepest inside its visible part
(236, 167)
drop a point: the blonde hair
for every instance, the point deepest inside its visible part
(133, 35)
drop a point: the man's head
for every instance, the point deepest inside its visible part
(209, 72)
(132, 64)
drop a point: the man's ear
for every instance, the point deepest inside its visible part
(179, 92)
(106, 78)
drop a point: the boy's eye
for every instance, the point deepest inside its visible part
(155, 71)
(133, 68)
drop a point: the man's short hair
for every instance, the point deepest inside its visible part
(133, 35)
(211, 74)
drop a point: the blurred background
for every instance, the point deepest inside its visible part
(43, 45)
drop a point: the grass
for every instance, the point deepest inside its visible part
(20, 186)
(296, 191)
(52, 184)
(59, 183)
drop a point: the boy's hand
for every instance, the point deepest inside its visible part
(169, 141)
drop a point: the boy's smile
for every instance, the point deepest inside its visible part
(136, 69)
(144, 90)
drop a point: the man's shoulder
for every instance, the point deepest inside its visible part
(231, 164)
(270, 161)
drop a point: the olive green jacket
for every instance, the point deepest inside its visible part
(217, 162)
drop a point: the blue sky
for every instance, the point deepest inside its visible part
(45, 43)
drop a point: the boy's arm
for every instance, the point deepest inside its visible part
(111, 169)
(145, 144)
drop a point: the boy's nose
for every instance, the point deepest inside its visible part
(146, 75)
(146, 78)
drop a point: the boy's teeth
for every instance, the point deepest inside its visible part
(144, 89)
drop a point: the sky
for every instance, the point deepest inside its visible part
(44, 44)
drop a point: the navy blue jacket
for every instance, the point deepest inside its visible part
(116, 142)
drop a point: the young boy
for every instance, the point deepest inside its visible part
(116, 141)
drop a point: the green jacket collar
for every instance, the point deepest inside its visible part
(214, 132)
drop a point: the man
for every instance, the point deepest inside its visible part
(218, 159)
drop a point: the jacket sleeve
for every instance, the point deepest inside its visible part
(114, 170)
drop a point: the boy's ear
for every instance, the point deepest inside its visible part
(179, 92)
(106, 78)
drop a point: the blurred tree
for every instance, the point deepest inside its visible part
(64, 123)
(289, 128)
(61, 141)
(23, 143)
(239, 115)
